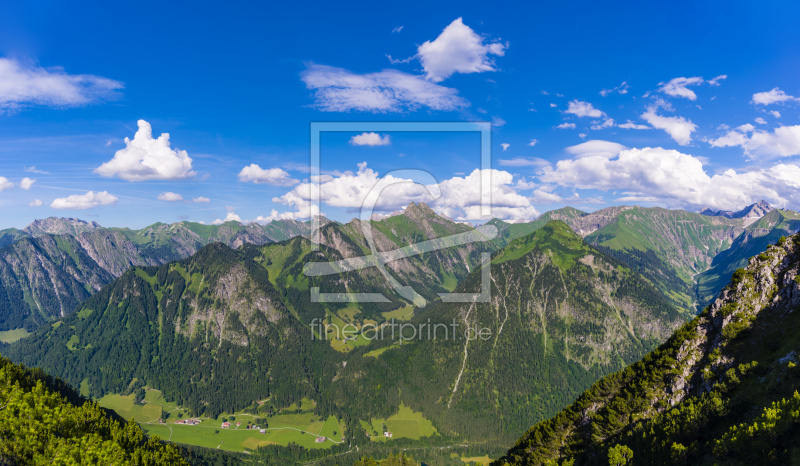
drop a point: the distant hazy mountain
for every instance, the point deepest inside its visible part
(753, 211)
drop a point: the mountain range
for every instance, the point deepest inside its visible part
(50, 266)
(574, 296)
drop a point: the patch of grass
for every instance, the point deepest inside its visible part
(401, 313)
(72, 342)
(379, 351)
(143, 275)
(484, 460)
(85, 312)
(405, 424)
(10, 336)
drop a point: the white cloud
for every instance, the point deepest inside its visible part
(596, 148)
(458, 49)
(84, 201)
(523, 162)
(607, 123)
(460, 196)
(505, 146)
(631, 125)
(24, 84)
(621, 89)
(145, 158)
(775, 96)
(274, 176)
(775, 113)
(566, 126)
(677, 87)
(231, 217)
(397, 29)
(677, 179)
(201, 199)
(26, 183)
(553, 105)
(533, 142)
(784, 141)
(370, 139)
(716, 81)
(35, 203)
(33, 169)
(5, 184)
(679, 128)
(387, 91)
(170, 197)
(761, 121)
(498, 122)
(583, 109)
(582, 135)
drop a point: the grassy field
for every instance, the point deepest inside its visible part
(485, 460)
(282, 429)
(401, 313)
(405, 424)
(10, 336)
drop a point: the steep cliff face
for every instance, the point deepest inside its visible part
(721, 389)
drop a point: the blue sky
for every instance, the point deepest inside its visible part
(683, 106)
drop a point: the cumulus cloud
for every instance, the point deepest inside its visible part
(775, 113)
(677, 179)
(566, 126)
(201, 199)
(621, 89)
(533, 142)
(458, 49)
(274, 176)
(231, 217)
(23, 84)
(170, 197)
(679, 128)
(460, 196)
(631, 125)
(387, 91)
(784, 141)
(26, 183)
(775, 96)
(84, 201)
(678, 87)
(370, 139)
(761, 121)
(145, 158)
(583, 109)
(505, 146)
(5, 184)
(596, 148)
(35, 203)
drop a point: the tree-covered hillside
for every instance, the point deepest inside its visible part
(43, 421)
(722, 390)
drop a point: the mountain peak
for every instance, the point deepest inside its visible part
(59, 226)
(752, 211)
(419, 210)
